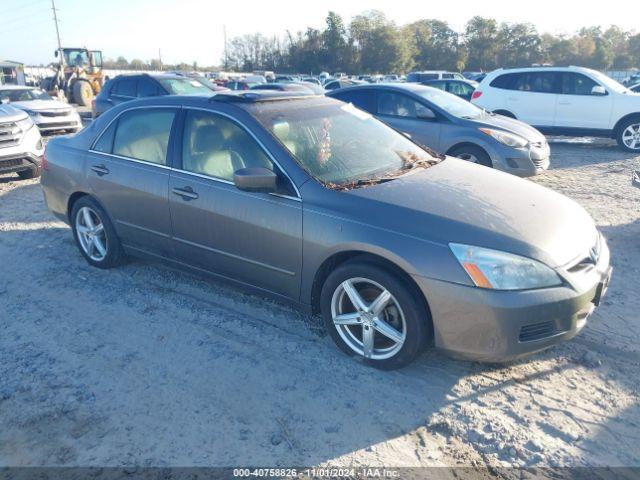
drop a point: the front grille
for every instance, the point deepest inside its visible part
(58, 125)
(12, 162)
(588, 261)
(537, 331)
(10, 134)
(55, 113)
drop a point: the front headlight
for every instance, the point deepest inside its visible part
(503, 271)
(25, 124)
(506, 138)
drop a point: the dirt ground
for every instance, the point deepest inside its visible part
(144, 366)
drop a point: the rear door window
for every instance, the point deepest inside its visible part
(538, 82)
(143, 134)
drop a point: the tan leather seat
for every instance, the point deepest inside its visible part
(209, 156)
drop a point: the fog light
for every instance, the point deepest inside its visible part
(512, 163)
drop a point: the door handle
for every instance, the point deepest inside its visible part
(512, 99)
(100, 169)
(564, 103)
(186, 193)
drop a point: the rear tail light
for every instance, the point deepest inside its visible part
(44, 164)
(476, 94)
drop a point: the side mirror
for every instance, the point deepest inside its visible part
(4, 100)
(56, 53)
(598, 90)
(425, 113)
(255, 179)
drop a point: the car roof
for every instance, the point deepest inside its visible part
(550, 68)
(400, 87)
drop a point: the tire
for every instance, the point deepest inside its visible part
(29, 174)
(505, 113)
(112, 254)
(404, 312)
(473, 154)
(82, 93)
(628, 135)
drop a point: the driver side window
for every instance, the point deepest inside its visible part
(398, 105)
(215, 146)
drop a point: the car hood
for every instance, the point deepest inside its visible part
(9, 113)
(41, 105)
(510, 125)
(457, 201)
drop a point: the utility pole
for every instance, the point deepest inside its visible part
(55, 18)
(224, 34)
(160, 58)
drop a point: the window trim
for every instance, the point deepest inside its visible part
(252, 135)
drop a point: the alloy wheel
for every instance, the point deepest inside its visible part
(91, 234)
(368, 318)
(631, 136)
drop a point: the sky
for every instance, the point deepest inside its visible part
(192, 30)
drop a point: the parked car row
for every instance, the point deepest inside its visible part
(398, 248)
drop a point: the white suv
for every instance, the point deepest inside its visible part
(21, 146)
(572, 101)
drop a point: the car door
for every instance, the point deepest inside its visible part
(532, 97)
(128, 173)
(410, 117)
(255, 238)
(579, 106)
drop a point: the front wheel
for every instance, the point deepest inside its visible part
(473, 154)
(629, 135)
(371, 313)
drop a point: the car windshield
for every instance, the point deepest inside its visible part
(337, 143)
(184, 86)
(451, 104)
(24, 95)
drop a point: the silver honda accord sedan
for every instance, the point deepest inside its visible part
(315, 202)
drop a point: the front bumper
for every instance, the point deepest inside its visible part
(496, 326)
(19, 162)
(57, 124)
(522, 162)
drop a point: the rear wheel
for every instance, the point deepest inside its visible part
(472, 153)
(629, 135)
(82, 93)
(372, 314)
(94, 234)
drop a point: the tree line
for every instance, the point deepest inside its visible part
(371, 43)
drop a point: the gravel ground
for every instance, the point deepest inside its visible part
(143, 365)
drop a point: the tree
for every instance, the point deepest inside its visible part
(435, 45)
(518, 45)
(481, 40)
(380, 46)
